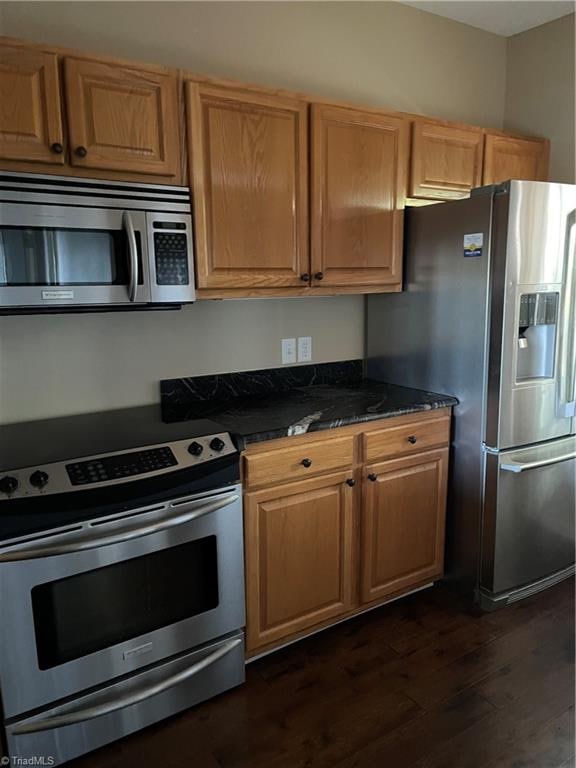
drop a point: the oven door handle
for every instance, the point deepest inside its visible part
(85, 539)
(133, 251)
(69, 714)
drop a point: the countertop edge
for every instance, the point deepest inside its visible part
(245, 440)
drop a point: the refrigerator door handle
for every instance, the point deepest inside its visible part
(516, 466)
(567, 358)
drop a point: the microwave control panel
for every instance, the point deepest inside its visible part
(171, 253)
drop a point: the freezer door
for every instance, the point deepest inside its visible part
(533, 316)
(530, 503)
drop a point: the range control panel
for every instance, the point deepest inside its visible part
(113, 468)
(124, 465)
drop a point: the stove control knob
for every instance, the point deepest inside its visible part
(195, 448)
(216, 444)
(8, 484)
(39, 479)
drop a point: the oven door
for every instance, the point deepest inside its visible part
(86, 606)
(65, 255)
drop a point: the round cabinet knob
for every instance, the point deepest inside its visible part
(319, 276)
(39, 479)
(8, 484)
(81, 151)
(351, 482)
(305, 277)
(372, 477)
(195, 448)
(57, 148)
(216, 444)
(412, 439)
(306, 463)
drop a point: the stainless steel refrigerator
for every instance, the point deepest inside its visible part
(488, 314)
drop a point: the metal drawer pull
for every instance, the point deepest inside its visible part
(87, 540)
(306, 463)
(351, 482)
(514, 466)
(372, 477)
(412, 439)
(70, 716)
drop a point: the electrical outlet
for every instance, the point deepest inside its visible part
(288, 351)
(304, 349)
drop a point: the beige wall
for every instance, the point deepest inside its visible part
(376, 53)
(379, 53)
(72, 363)
(540, 90)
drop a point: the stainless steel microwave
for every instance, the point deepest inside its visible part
(79, 243)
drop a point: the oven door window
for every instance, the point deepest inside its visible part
(92, 611)
(37, 256)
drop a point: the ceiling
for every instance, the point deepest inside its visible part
(504, 17)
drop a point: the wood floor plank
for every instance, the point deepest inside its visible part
(529, 695)
(548, 747)
(469, 669)
(405, 745)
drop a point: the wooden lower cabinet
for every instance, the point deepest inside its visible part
(403, 521)
(360, 532)
(299, 558)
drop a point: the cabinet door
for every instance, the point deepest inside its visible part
(298, 556)
(30, 113)
(446, 161)
(249, 168)
(506, 157)
(359, 162)
(122, 119)
(403, 523)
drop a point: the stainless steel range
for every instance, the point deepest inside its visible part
(121, 577)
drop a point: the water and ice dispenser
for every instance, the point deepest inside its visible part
(537, 333)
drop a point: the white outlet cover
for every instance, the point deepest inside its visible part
(304, 349)
(288, 351)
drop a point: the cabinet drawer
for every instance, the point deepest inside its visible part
(299, 462)
(408, 438)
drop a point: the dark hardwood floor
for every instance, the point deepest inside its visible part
(421, 683)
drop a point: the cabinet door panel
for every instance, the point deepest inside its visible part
(249, 166)
(30, 111)
(358, 174)
(403, 523)
(446, 161)
(506, 158)
(298, 556)
(125, 119)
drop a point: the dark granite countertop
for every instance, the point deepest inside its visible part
(268, 407)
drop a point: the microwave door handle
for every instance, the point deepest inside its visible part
(70, 715)
(85, 540)
(133, 255)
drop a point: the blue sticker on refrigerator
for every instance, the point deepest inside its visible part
(473, 244)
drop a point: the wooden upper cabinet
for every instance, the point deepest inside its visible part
(30, 110)
(359, 162)
(299, 556)
(122, 119)
(403, 523)
(249, 165)
(508, 157)
(446, 160)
